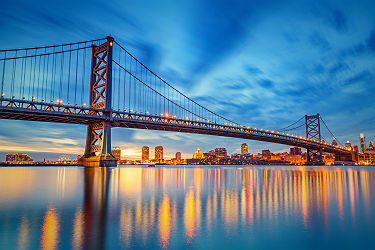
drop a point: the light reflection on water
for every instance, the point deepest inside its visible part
(200, 207)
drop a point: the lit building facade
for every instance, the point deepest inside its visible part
(116, 152)
(145, 153)
(178, 156)
(159, 151)
(19, 158)
(266, 154)
(363, 142)
(348, 145)
(221, 152)
(295, 151)
(244, 149)
(198, 154)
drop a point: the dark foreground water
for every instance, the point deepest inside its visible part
(190, 207)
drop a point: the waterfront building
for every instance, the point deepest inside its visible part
(371, 146)
(145, 153)
(295, 151)
(363, 142)
(198, 154)
(348, 145)
(159, 154)
(178, 156)
(116, 152)
(221, 152)
(18, 158)
(244, 149)
(266, 154)
(64, 158)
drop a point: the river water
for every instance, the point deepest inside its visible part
(257, 207)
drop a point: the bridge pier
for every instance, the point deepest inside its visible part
(98, 140)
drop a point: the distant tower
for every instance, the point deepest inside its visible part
(159, 153)
(145, 153)
(244, 149)
(363, 142)
(178, 156)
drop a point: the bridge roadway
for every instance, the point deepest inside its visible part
(52, 112)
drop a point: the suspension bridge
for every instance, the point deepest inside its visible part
(100, 84)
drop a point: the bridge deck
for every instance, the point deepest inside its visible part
(49, 112)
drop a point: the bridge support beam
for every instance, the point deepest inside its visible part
(314, 156)
(98, 140)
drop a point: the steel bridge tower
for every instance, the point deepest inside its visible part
(314, 156)
(98, 139)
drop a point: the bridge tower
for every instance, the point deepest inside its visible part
(98, 139)
(314, 156)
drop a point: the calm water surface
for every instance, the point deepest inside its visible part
(190, 207)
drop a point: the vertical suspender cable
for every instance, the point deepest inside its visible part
(70, 60)
(75, 84)
(2, 77)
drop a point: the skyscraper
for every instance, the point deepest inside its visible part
(145, 153)
(363, 142)
(159, 154)
(244, 149)
(178, 156)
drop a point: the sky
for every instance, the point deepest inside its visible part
(260, 63)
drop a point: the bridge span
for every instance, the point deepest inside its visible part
(100, 84)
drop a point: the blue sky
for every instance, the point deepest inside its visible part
(262, 63)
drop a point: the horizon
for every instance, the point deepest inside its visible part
(260, 67)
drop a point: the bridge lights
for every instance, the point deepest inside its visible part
(58, 101)
(33, 98)
(2, 94)
(84, 104)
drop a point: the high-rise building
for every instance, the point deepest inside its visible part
(266, 154)
(363, 142)
(244, 149)
(348, 145)
(178, 156)
(145, 153)
(159, 153)
(116, 152)
(295, 151)
(198, 154)
(221, 152)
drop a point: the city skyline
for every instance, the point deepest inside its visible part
(255, 75)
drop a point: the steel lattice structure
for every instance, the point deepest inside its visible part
(100, 84)
(314, 155)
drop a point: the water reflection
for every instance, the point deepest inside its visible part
(177, 207)
(50, 230)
